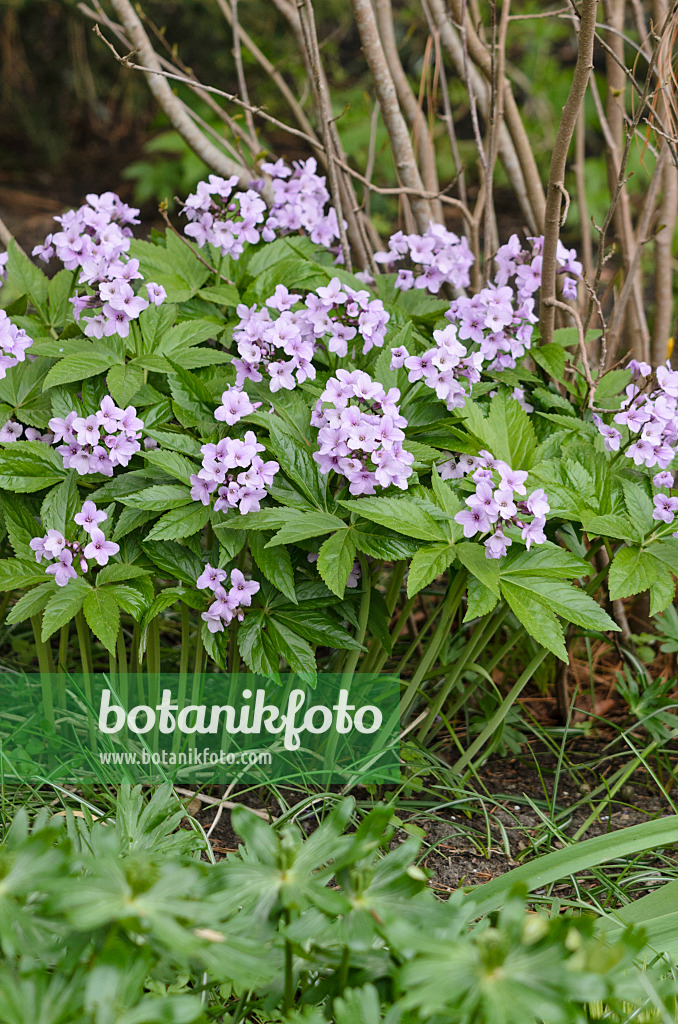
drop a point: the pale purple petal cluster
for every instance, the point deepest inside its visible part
(227, 604)
(649, 416)
(500, 501)
(69, 555)
(12, 431)
(442, 368)
(360, 433)
(500, 318)
(300, 199)
(234, 472)
(95, 240)
(4, 256)
(435, 258)
(13, 344)
(99, 442)
(223, 217)
(281, 338)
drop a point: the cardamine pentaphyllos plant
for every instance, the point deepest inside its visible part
(332, 444)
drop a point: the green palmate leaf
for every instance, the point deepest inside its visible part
(231, 542)
(165, 599)
(639, 507)
(124, 381)
(547, 560)
(21, 526)
(275, 563)
(378, 542)
(551, 358)
(133, 597)
(28, 466)
(221, 295)
(537, 619)
(179, 442)
(173, 266)
(565, 600)
(335, 560)
(298, 464)
(172, 463)
(662, 591)
(129, 519)
(60, 505)
(159, 498)
(58, 293)
(64, 604)
(178, 339)
(611, 387)
(79, 367)
(116, 572)
(633, 570)
(294, 649)
(298, 525)
(667, 552)
(318, 628)
(255, 646)
(481, 600)
(444, 496)
(174, 560)
(428, 563)
(15, 574)
(31, 603)
(155, 321)
(473, 558)
(403, 515)
(26, 278)
(102, 613)
(181, 522)
(614, 525)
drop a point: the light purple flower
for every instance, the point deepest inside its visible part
(99, 548)
(89, 517)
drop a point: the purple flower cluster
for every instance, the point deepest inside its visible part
(226, 218)
(442, 368)
(222, 217)
(244, 490)
(228, 604)
(438, 257)
(494, 506)
(500, 318)
(300, 198)
(13, 344)
(95, 240)
(332, 316)
(12, 431)
(67, 554)
(98, 442)
(650, 416)
(361, 439)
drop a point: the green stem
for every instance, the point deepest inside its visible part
(288, 998)
(122, 665)
(62, 657)
(363, 616)
(46, 669)
(483, 633)
(394, 586)
(86, 663)
(455, 592)
(185, 635)
(501, 713)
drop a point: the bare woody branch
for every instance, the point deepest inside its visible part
(556, 183)
(396, 126)
(171, 104)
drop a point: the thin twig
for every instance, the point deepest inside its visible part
(170, 103)
(556, 182)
